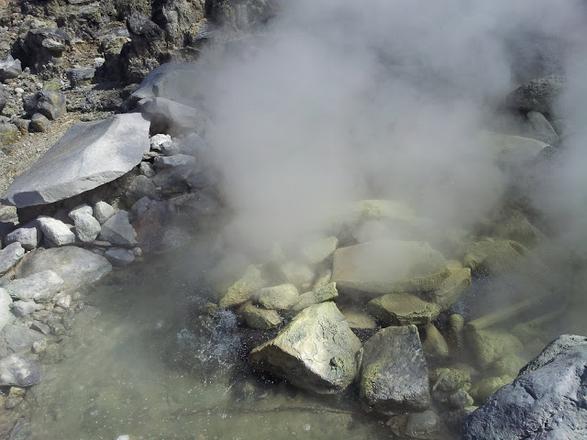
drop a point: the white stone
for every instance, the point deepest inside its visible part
(159, 140)
(82, 209)
(56, 232)
(87, 227)
(24, 308)
(103, 211)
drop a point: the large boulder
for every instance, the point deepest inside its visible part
(546, 401)
(90, 154)
(385, 266)
(394, 374)
(77, 267)
(316, 351)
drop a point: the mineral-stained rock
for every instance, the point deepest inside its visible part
(487, 346)
(402, 309)
(9, 256)
(452, 287)
(39, 123)
(118, 230)
(435, 345)
(417, 426)
(48, 103)
(40, 286)
(298, 274)
(241, 291)
(320, 294)
(281, 297)
(259, 318)
(359, 320)
(483, 389)
(90, 154)
(19, 371)
(394, 374)
(28, 236)
(319, 250)
(55, 232)
(77, 267)
(316, 351)
(490, 256)
(385, 266)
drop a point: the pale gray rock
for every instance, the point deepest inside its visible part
(159, 140)
(542, 129)
(90, 154)
(316, 351)
(394, 374)
(120, 256)
(39, 123)
(87, 227)
(320, 294)
(10, 68)
(281, 297)
(16, 337)
(103, 211)
(9, 256)
(28, 236)
(41, 286)
(5, 306)
(118, 230)
(76, 266)
(176, 117)
(80, 210)
(24, 308)
(55, 232)
(178, 160)
(19, 371)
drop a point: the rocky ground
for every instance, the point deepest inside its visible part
(122, 174)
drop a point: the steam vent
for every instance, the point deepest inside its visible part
(309, 219)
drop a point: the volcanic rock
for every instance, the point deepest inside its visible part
(402, 309)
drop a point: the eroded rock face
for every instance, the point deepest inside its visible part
(545, 401)
(394, 374)
(90, 154)
(389, 265)
(317, 351)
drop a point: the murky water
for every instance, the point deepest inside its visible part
(150, 367)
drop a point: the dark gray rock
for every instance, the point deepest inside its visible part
(547, 400)
(39, 123)
(176, 161)
(140, 186)
(394, 374)
(537, 95)
(120, 256)
(19, 371)
(173, 117)
(90, 154)
(80, 75)
(77, 267)
(10, 68)
(118, 230)
(49, 103)
(41, 47)
(9, 256)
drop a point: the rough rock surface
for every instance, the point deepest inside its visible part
(394, 374)
(40, 286)
(87, 227)
(118, 230)
(9, 256)
(27, 236)
(546, 401)
(388, 265)
(320, 294)
(259, 318)
(402, 309)
(5, 305)
(19, 371)
(280, 297)
(241, 291)
(103, 211)
(316, 351)
(120, 256)
(77, 267)
(537, 95)
(90, 154)
(55, 232)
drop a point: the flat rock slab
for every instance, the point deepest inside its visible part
(546, 401)
(76, 266)
(394, 374)
(90, 154)
(402, 309)
(317, 351)
(386, 266)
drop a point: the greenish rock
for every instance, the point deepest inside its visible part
(281, 297)
(424, 425)
(258, 318)
(482, 390)
(241, 291)
(321, 294)
(492, 257)
(394, 374)
(452, 287)
(322, 278)
(487, 346)
(460, 399)
(384, 266)
(298, 274)
(402, 309)
(451, 379)
(316, 351)
(456, 325)
(435, 346)
(9, 133)
(319, 250)
(509, 365)
(516, 226)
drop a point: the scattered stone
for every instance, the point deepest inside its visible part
(402, 309)
(385, 266)
(103, 211)
(25, 308)
(39, 123)
(394, 374)
(77, 267)
(55, 232)
(456, 325)
(140, 207)
(259, 318)
(316, 351)
(62, 300)
(281, 297)
(320, 294)
(90, 154)
(460, 400)
(242, 290)
(19, 371)
(435, 345)
(9, 133)
(41, 327)
(318, 251)
(5, 305)
(49, 103)
(298, 274)
(9, 256)
(147, 169)
(27, 236)
(177, 161)
(10, 68)
(41, 286)
(39, 346)
(450, 380)
(118, 230)
(87, 228)
(120, 256)
(172, 116)
(542, 129)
